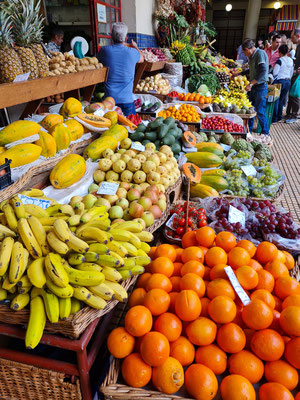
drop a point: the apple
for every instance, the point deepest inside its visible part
(124, 203)
(121, 193)
(125, 185)
(89, 201)
(161, 187)
(126, 215)
(93, 188)
(117, 220)
(136, 210)
(145, 202)
(162, 204)
(125, 143)
(116, 212)
(144, 186)
(103, 202)
(141, 221)
(138, 187)
(162, 196)
(148, 217)
(151, 195)
(99, 176)
(156, 211)
(155, 188)
(111, 198)
(133, 194)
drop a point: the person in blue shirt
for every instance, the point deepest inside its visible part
(121, 60)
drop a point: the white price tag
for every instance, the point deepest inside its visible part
(249, 170)
(245, 299)
(99, 112)
(22, 77)
(235, 215)
(210, 107)
(226, 87)
(137, 146)
(35, 200)
(225, 147)
(108, 188)
(270, 99)
(169, 223)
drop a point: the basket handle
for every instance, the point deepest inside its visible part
(187, 204)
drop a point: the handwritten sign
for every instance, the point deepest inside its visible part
(137, 146)
(248, 170)
(109, 188)
(235, 215)
(35, 200)
(22, 77)
(101, 13)
(245, 299)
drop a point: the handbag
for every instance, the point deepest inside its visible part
(295, 89)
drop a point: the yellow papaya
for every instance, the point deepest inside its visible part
(61, 135)
(204, 159)
(216, 182)
(94, 120)
(50, 120)
(21, 154)
(18, 130)
(70, 108)
(209, 144)
(75, 128)
(96, 148)
(2, 149)
(202, 191)
(68, 171)
(118, 132)
(216, 172)
(47, 143)
(112, 116)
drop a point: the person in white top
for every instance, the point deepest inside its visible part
(282, 73)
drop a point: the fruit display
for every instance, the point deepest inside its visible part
(218, 123)
(65, 63)
(107, 103)
(194, 97)
(238, 82)
(223, 77)
(232, 101)
(210, 80)
(149, 107)
(183, 52)
(212, 318)
(184, 113)
(155, 83)
(135, 119)
(153, 54)
(149, 56)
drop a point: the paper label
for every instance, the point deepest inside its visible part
(137, 146)
(225, 147)
(248, 170)
(270, 99)
(235, 215)
(169, 223)
(108, 188)
(22, 77)
(245, 299)
(99, 112)
(35, 200)
(226, 87)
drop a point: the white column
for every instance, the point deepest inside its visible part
(251, 19)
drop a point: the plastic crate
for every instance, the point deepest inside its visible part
(5, 179)
(269, 114)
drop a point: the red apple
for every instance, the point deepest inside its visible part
(162, 204)
(133, 194)
(156, 211)
(136, 210)
(125, 185)
(151, 195)
(145, 202)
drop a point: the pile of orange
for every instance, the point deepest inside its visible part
(194, 97)
(186, 324)
(185, 113)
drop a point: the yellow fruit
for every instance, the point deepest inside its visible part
(75, 128)
(47, 143)
(21, 154)
(18, 130)
(68, 171)
(61, 135)
(50, 120)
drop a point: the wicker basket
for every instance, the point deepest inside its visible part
(22, 381)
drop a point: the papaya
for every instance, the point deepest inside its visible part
(68, 171)
(209, 144)
(202, 191)
(204, 159)
(213, 150)
(217, 182)
(18, 130)
(94, 120)
(2, 149)
(70, 108)
(192, 172)
(216, 172)
(47, 143)
(21, 154)
(96, 148)
(118, 132)
(75, 128)
(189, 139)
(50, 120)
(112, 116)
(61, 135)
(126, 122)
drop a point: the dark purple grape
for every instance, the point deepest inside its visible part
(289, 221)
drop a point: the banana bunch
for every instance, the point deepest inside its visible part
(54, 259)
(176, 47)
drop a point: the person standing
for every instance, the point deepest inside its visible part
(283, 72)
(258, 86)
(121, 61)
(57, 37)
(272, 51)
(293, 108)
(241, 56)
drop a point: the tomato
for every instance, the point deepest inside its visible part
(180, 230)
(181, 222)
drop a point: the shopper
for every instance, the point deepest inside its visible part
(241, 56)
(121, 61)
(293, 109)
(283, 72)
(260, 43)
(272, 51)
(57, 37)
(258, 87)
(269, 41)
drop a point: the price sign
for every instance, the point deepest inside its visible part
(99, 112)
(225, 147)
(35, 200)
(248, 170)
(22, 77)
(169, 224)
(109, 188)
(235, 215)
(245, 299)
(226, 87)
(137, 146)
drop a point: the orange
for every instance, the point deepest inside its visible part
(293, 300)
(179, 251)
(281, 256)
(290, 320)
(162, 265)
(297, 396)
(137, 297)
(157, 301)
(257, 315)
(215, 255)
(220, 287)
(276, 268)
(168, 377)
(246, 364)
(237, 387)
(188, 305)
(286, 286)
(225, 240)
(267, 344)
(247, 245)
(206, 274)
(255, 264)
(192, 253)
(135, 371)
(177, 267)
(183, 350)
(138, 321)
(289, 260)
(120, 343)
(173, 297)
(237, 257)
(189, 239)
(292, 352)
(169, 325)
(202, 331)
(204, 249)
(247, 277)
(204, 306)
(265, 296)
(158, 281)
(218, 271)
(152, 252)
(205, 236)
(166, 250)
(231, 338)
(281, 372)
(275, 325)
(238, 317)
(278, 303)
(155, 349)
(200, 382)
(266, 252)
(193, 282)
(249, 333)
(212, 357)
(141, 282)
(193, 266)
(175, 282)
(222, 309)
(265, 280)
(274, 391)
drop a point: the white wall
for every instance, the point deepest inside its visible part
(138, 15)
(129, 14)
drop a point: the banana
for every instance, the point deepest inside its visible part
(56, 244)
(145, 247)
(135, 241)
(145, 236)
(36, 323)
(10, 217)
(52, 209)
(142, 260)
(99, 248)
(58, 291)
(120, 293)
(84, 278)
(141, 253)
(20, 301)
(108, 261)
(131, 226)
(131, 249)
(75, 200)
(3, 294)
(3, 219)
(52, 201)
(74, 220)
(92, 213)
(75, 305)
(36, 274)
(17, 267)
(5, 231)
(12, 290)
(137, 270)
(88, 266)
(48, 228)
(49, 221)
(61, 229)
(77, 244)
(24, 281)
(83, 294)
(91, 256)
(118, 257)
(129, 263)
(99, 223)
(64, 308)
(126, 274)
(23, 290)
(33, 192)
(102, 290)
(80, 209)
(7, 285)
(3, 204)
(76, 259)
(35, 210)
(111, 274)
(92, 233)
(120, 235)
(18, 207)
(5, 254)
(51, 303)
(39, 233)
(66, 209)
(28, 238)
(118, 248)
(55, 270)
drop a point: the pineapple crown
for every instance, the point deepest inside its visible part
(5, 29)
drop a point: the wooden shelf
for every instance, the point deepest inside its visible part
(154, 66)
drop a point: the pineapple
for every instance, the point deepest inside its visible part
(10, 65)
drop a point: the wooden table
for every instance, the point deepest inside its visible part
(33, 92)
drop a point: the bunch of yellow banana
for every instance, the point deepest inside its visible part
(176, 47)
(58, 257)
